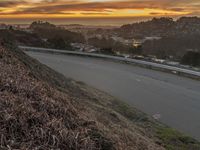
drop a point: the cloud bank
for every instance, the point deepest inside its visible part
(105, 8)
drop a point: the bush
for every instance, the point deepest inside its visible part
(191, 58)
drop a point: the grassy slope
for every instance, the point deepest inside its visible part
(35, 115)
(119, 125)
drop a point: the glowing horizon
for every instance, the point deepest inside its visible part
(96, 8)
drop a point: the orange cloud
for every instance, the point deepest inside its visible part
(96, 8)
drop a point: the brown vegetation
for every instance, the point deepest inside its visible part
(35, 115)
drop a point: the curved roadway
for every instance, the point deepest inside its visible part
(175, 100)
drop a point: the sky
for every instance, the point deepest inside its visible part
(59, 9)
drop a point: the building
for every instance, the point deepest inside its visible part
(4, 26)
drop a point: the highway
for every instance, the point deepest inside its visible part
(175, 99)
(163, 67)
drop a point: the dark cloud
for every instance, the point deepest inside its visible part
(4, 4)
(95, 13)
(155, 13)
(90, 6)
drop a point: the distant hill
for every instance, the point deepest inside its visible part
(42, 34)
(163, 27)
(48, 31)
(176, 37)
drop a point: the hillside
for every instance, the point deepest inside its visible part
(22, 38)
(39, 34)
(41, 109)
(162, 27)
(175, 37)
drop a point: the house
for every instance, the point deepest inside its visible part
(4, 26)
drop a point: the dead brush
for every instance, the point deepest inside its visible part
(36, 116)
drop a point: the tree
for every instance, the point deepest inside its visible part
(136, 50)
(59, 43)
(191, 58)
(108, 51)
(41, 24)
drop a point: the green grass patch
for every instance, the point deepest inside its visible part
(170, 138)
(174, 140)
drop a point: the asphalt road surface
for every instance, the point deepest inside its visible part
(174, 100)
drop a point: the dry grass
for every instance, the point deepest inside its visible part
(36, 116)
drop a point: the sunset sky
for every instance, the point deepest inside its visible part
(19, 9)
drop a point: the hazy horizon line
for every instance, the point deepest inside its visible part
(90, 21)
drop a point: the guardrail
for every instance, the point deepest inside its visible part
(151, 65)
